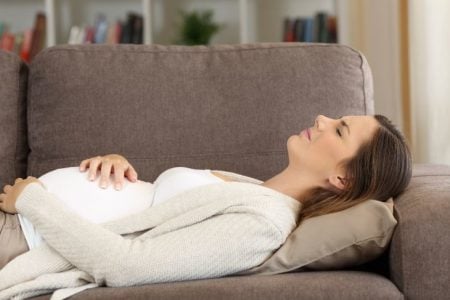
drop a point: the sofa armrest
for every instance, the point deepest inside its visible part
(419, 253)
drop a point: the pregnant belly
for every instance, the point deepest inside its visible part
(96, 204)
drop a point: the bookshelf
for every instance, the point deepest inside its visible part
(245, 20)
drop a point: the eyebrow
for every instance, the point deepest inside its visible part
(343, 123)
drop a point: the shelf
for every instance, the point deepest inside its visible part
(246, 21)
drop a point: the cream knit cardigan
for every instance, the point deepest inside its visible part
(209, 231)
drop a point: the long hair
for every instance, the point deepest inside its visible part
(381, 168)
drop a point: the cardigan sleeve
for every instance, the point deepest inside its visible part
(217, 246)
(43, 260)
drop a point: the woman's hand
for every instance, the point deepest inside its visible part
(109, 164)
(9, 198)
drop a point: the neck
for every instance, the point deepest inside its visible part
(293, 183)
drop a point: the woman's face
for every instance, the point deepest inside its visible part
(320, 149)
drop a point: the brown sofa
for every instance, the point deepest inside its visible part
(228, 107)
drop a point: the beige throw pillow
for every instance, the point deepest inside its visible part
(346, 238)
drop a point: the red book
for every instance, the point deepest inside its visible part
(7, 41)
(289, 33)
(117, 32)
(90, 32)
(26, 46)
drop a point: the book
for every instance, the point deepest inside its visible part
(26, 45)
(7, 41)
(101, 28)
(117, 32)
(89, 35)
(332, 29)
(74, 35)
(138, 26)
(288, 35)
(38, 36)
(110, 34)
(320, 27)
(309, 30)
(300, 30)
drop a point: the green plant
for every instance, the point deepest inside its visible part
(197, 28)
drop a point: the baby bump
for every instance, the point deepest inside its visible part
(89, 200)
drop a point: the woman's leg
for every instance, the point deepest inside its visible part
(12, 240)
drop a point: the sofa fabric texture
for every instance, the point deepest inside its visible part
(13, 131)
(223, 107)
(419, 256)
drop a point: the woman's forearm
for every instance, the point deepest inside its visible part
(217, 246)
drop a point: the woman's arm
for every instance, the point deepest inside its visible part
(44, 260)
(111, 163)
(217, 246)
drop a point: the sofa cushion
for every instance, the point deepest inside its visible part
(227, 107)
(419, 255)
(337, 240)
(306, 285)
(13, 126)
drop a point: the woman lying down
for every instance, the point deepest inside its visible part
(77, 233)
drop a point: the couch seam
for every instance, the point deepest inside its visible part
(361, 67)
(17, 117)
(178, 156)
(198, 50)
(364, 82)
(201, 49)
(402, 271)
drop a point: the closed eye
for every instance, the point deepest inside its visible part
(338, 132)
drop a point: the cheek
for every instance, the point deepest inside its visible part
(322, 153)
(328, 151)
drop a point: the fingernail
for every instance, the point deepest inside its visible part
(92, 177)
(118, 186)
(103, 184)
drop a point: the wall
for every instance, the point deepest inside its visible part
(373, 28)
(429, 23)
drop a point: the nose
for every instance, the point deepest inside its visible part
(321, 121)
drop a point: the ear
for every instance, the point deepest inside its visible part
(337, 181)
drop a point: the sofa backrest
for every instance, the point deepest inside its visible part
(226, 107)
(13, 134)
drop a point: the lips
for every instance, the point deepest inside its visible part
(307, 133)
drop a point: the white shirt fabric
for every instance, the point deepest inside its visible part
(98, 205)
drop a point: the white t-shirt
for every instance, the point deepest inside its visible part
(87, 199)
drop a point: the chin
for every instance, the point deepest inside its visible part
(294, 150)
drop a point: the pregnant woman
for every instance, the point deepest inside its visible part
(190, 223)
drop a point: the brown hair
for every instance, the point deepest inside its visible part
(381, 169)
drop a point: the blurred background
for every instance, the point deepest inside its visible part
(405, 42)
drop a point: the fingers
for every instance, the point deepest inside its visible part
(104, 177)
(84, 164)
(131, 173)
(93, 167)
(7, 188)
(118, 177)
(109, 164)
